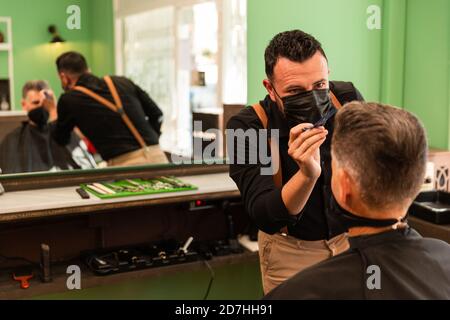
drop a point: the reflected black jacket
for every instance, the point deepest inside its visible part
(408, 267)
(102, 126)
(31, 149)
(263, 199)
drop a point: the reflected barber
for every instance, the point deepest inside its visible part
(116, 115)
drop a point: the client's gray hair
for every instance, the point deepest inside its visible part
(384, 149)
(37, 85)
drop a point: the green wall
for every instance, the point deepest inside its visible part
(101, 16)
(34, 56)
(406, 63)
(427, 67)
(353, 51)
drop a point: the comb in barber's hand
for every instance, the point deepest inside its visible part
(323, 120)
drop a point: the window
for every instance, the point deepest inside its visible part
(173, 51)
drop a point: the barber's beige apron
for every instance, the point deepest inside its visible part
(147, 155)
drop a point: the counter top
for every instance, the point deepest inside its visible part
(22, 205)
(15, 113)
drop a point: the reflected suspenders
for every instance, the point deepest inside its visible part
(277, 176)
(116, 107)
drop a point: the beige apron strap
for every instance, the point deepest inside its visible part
(278, 176)
(261, 115)
(121, 111)
(96, 97)
(114, 107)
(113, 90)
(335, 100)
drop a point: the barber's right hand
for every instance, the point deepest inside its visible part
(48, 101)
(304, 148)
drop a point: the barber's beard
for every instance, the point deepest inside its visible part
(280, 106)
(65, 88)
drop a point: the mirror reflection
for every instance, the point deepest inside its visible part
(110, 83)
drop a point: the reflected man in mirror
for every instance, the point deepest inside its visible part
(116, 115)
(30, 147)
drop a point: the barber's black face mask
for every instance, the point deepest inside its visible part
(349, 220)
(39, 116)
(306, 107)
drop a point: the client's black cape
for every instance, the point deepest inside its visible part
(31, 149)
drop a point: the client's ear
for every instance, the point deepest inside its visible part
(348, 188)
(24, 105)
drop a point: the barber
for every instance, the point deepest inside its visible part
(291, 208)
(117, 116)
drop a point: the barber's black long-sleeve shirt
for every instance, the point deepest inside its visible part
(102, 126)
(263, 199)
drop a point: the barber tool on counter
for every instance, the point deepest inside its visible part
(184, 249)
(116, 260)
(232, 237)
(24, 276)
(134, 187)
(103, 262)
(83, 193)
(45, 263)
(2, 190)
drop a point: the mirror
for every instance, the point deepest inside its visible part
(179, 67)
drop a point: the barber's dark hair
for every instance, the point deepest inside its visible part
(295, 45)
(72, 62)
(36, 85)
(384, 149)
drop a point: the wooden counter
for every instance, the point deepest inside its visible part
(70, 225)
(32, 204)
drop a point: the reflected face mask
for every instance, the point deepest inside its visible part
(306, 107)
(39, 116)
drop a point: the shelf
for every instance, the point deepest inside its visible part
(5, 46)
(12, 113)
